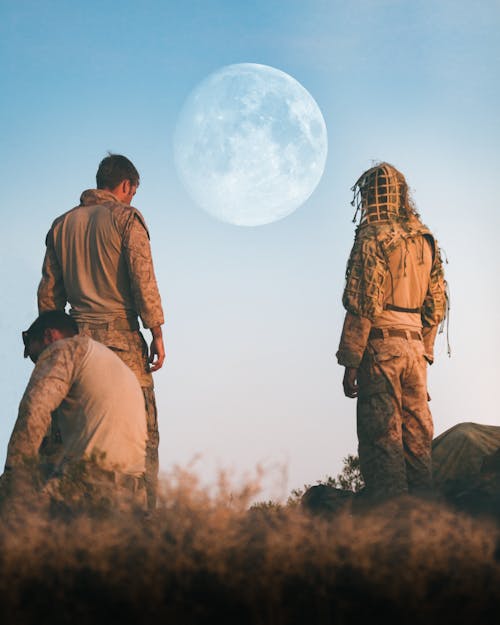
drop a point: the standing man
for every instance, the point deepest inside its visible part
(395, 297)
(98, 259)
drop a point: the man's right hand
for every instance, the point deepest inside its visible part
(350, 382)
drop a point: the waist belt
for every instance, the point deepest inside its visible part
(114, 324)
(378, 333)
(401, 309)
(93, 474)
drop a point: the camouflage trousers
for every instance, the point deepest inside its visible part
(152, 443)
(130, 346)
(88, 487)
(394, 422)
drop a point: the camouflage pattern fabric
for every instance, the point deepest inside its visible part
(122, 284)
(152, 443)
(353, 340)
(87, 487)
(49, 384)
(129, 345)
(394, 422)
(368, 266)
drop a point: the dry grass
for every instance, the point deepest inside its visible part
(214, 559)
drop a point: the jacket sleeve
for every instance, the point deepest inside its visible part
(51, 291)
(436, 302)
(353, 340)
(365, 277)
(48, 386)
(429, 337)
(143, 283)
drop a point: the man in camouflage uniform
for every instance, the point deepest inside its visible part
(98, 259)
(395, 297)
(99, 407)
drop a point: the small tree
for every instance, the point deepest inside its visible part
(350, 477)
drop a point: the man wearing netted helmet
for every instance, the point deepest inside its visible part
(395, 297)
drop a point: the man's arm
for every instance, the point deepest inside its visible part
(351, 349)
(51, 291)
(436, 303)
(429, 337)
(48, 386)
(156, 349)
(144, 287)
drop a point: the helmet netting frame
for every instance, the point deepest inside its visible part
(381, 195)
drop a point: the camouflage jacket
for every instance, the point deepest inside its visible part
(48, 386)
(98, 258)
(366, 273)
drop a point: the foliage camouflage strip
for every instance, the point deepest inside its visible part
(368, 266)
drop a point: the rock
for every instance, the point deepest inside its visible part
(325, 500)
(458, 454)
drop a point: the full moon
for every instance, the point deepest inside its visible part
(250, 144)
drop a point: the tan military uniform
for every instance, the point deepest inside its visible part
(99, 408)
(98, 258)
(395, 297)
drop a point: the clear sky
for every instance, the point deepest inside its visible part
(254, 314)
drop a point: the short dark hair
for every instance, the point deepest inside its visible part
(51, 319)
(114, 169)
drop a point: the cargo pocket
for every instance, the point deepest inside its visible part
(372, 376)
(384, 353)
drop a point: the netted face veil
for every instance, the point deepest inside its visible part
(381, 194)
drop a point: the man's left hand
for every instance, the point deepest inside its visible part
(156, 351)
(350, 383)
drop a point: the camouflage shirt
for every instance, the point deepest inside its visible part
(98, 258)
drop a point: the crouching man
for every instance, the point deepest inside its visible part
(98, 406)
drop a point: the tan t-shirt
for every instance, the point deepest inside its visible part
(100, 408)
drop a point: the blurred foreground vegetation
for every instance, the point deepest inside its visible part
(214, 558)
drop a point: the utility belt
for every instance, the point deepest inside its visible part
(120, 323)
(93, 473)
(401, 308)
(382, 333)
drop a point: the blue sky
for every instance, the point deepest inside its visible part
(254, 314)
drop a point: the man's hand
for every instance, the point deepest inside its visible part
(350, 382)
(156, 350)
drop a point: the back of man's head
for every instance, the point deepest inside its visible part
(51, 320)
(114, 169)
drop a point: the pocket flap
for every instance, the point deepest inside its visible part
(385, 353)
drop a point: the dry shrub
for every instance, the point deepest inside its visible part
(213, 558)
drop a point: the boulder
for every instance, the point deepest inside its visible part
(324, 499)
(461, 453)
